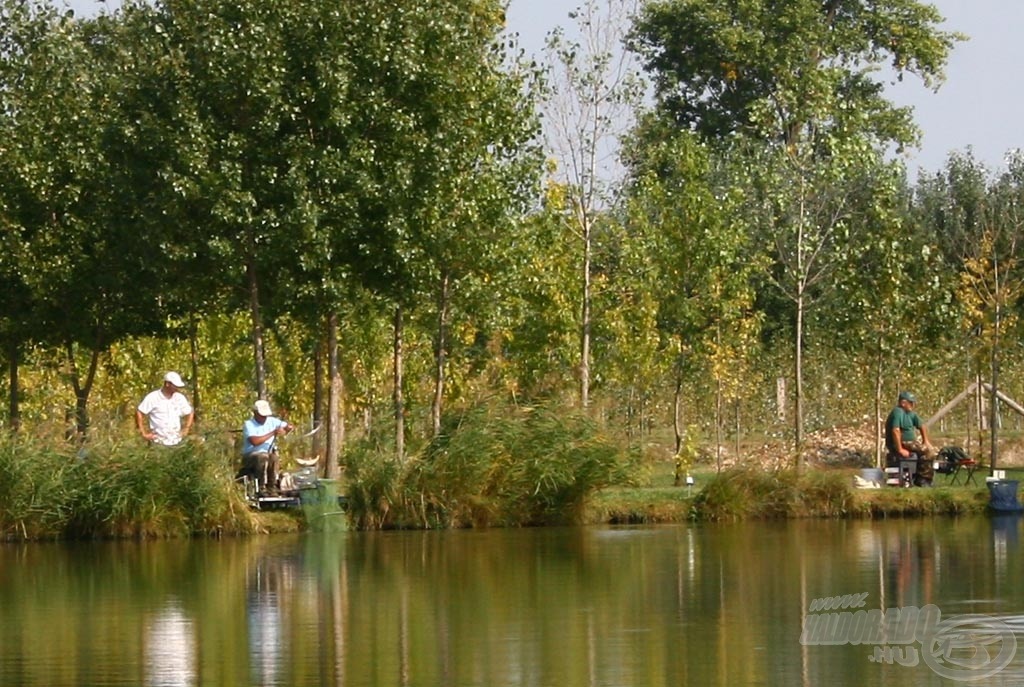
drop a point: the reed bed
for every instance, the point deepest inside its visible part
(492, 466)
(107, 491)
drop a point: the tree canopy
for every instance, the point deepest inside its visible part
(785, 69)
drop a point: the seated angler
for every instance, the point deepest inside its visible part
(259, 452)
(902, 440)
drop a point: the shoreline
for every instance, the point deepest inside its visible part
(673, 504)
(734, 495)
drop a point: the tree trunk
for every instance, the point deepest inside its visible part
(440, 353)
(259, 360)
(630, 403)
(677, 405)
(799, 382)
(643, 416)
(193, 349)
(718, 425)
(879, 422)
(335, 400)
(979, 410)
(319, 437)
(719, 405)
(737, 428)
(81, 388)
(399, 401)
(993, 425)
(677, 422)
(585, 316)
(800, 302)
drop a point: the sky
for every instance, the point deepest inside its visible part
(981, 104)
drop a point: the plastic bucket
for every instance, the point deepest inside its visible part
(873, 475)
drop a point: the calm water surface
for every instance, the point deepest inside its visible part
(675, 605)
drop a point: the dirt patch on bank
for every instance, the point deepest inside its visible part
(854, 447)
(832, 447)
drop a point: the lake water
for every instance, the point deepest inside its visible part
(646, 606)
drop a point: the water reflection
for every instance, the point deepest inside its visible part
(170, 648)
(710, 605)
(264, 618)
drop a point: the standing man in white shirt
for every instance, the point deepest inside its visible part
(165, 408)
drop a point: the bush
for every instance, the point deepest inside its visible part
(372, 481)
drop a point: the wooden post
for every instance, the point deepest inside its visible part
(941, 412)
(780, 398)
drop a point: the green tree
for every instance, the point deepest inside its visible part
(538, 327)
(91, 280)
(478, 169)
(783, 70)
(20, 27)
(977, 220)
(892, 303)
(794, 86)
(808, 212)
(686, 205)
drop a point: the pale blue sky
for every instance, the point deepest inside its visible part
(980, 105)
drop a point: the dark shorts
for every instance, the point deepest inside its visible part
(260, 466)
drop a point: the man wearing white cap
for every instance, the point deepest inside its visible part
(165, 408)
(259, 453)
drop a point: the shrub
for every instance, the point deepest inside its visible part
(372, 482)
(825, 493)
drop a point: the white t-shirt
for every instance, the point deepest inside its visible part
(165, 415)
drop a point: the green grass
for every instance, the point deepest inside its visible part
(641, 505)
(492, 466)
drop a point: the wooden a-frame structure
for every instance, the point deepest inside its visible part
(971, 388)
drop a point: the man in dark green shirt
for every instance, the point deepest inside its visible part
(906, 437)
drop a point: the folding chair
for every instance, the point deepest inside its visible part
(967, 466)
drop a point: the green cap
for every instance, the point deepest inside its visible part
(907, 396)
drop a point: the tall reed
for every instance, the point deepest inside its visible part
(493, 465)
(61, 491)
(750, 492)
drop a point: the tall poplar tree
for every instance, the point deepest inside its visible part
(595, 87)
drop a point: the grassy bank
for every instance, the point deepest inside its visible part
(755, 494)
(493, 467)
